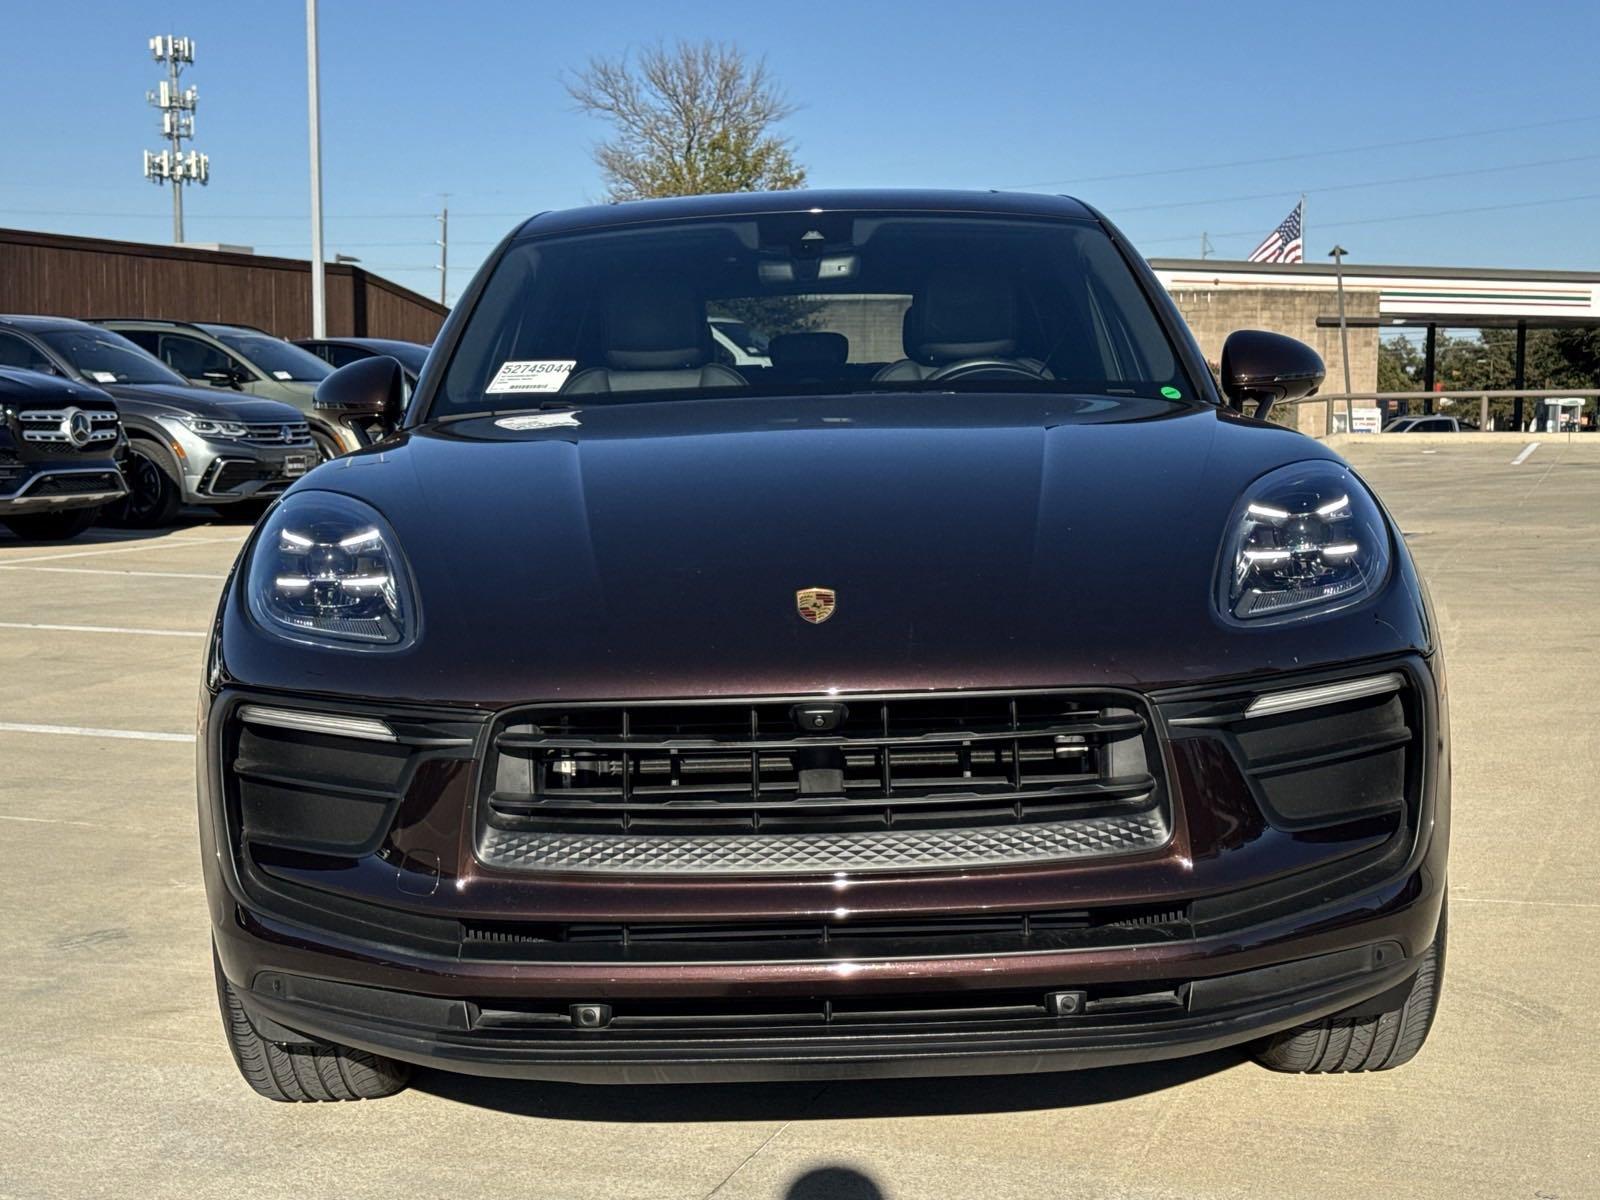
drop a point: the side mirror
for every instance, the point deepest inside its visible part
(367, 391)
(1263, 368)
(226, 377)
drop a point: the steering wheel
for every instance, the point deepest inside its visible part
(980, 367)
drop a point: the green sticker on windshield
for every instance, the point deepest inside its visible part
(1172, 393)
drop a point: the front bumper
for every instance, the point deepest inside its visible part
(225, 473)
(455, 1035)
(57, 487)
(1272, 927)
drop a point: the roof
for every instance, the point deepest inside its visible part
(367, 343)
(747, 204)
(41, 324)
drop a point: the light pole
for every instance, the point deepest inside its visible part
(319, 314)
(1337, 254)
(444, 245)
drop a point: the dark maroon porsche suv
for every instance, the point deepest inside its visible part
(963, 685)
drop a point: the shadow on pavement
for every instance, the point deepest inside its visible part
(833, 1183)
(658, 1103)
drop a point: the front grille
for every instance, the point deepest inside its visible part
(53, 427)
(278, 433)
(897, 782)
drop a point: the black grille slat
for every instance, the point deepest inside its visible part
(606, 801)
(719, 766)
(818, 932)
(1119, 725)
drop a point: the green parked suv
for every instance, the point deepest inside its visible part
(244, 359)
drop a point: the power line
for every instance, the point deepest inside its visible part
(1255, 162)
(1345, 187)
(1417, 216)
(146, 216)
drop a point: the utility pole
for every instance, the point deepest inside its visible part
(444, 245)
(177, 123)
(1205, 245)
(319, 297)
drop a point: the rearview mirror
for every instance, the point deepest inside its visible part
(226, 377)
(1265, 368)
(367, 391)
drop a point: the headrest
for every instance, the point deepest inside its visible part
(805, 351)
(961, 316)
(655, 326)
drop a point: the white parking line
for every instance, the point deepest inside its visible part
(137, 735)
(162, 545)
(109, 571)
(101, 629)
(1523, 457)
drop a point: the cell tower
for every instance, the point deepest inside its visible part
(177, 106)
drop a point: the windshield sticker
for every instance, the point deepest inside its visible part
(1172, 393)
(553, 420)
(284, 375)
(533, 375)
(103, 376)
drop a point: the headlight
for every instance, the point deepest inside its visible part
(1305, 539)
(327, 569)
(206, 427)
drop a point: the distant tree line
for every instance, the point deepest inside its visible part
(1557, 359)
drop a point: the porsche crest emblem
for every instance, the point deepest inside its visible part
(815, 605)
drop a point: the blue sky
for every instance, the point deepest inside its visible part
(1116, 103)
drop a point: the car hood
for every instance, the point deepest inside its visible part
(162, 399)
(972, 541)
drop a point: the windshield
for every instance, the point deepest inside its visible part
(101, 356)
(836, 301)
(274, 357)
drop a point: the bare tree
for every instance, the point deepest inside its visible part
(689, 119)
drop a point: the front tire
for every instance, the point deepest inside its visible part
(327, 448)
(1338, 1045)
(303, 1073)
(155, 493)
(53, 527)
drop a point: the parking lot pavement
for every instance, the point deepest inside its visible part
(117, 1082)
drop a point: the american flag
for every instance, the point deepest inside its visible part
(1283, 244)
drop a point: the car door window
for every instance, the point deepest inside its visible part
(341, 356)
(191, 357)
(147, 340)
(21, 353)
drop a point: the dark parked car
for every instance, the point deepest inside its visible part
(59, 446)
(244, 359)
(187, 445)
(342, 351)
(972, 689)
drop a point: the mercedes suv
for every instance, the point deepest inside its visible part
(969, 687)
(59, 448)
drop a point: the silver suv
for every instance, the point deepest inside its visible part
(245, 359)
(186, 445)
